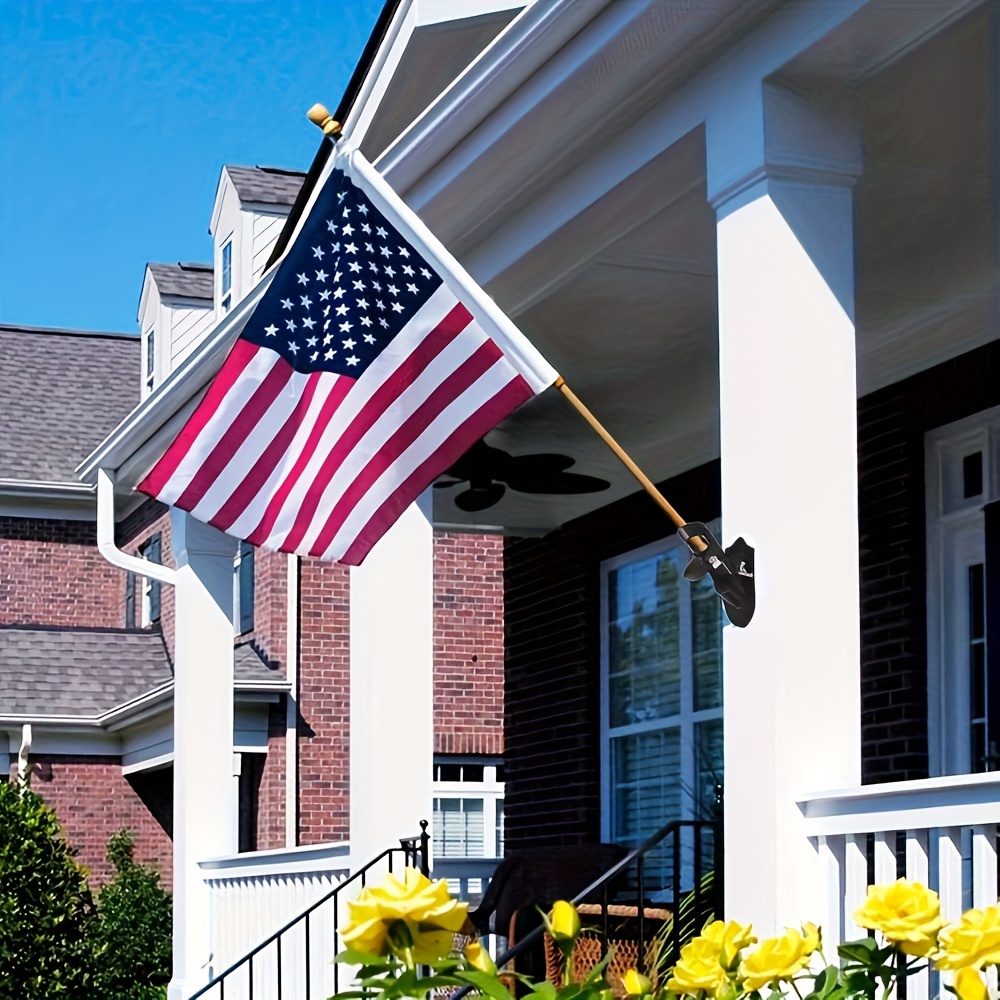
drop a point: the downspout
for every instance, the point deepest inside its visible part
(106, 537)
(292, 705)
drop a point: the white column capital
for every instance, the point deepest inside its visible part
(770, 134)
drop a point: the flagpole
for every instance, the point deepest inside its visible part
(644, 480)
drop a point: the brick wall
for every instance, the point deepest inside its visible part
(271, 793)
(552, 724)
(52, 574)
(891, 427)
(324, 696)
(270, 614)
(93, 802)
(468, 643)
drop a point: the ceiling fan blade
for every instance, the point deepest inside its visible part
(536, 465)
(480, 462)
(480, 497)
(560, 483)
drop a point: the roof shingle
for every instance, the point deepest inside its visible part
(61, 393)
(83, 673)
(266, 185)
(190, 281)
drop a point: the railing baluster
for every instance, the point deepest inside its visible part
(984, 865)
(675, 878)
(308, 957)
(950, 872)
(250, 980)
(279, 968)
(885, 857)
(855, 881)
(640, 872)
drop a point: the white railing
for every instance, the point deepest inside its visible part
(253, 895)
(467, 877)
(940, 831)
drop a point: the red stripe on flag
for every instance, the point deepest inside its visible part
(236, 433)
(239, 357)
(330, 406)
(479, 362)
(262, 469)
(508, 399)
(383, 397)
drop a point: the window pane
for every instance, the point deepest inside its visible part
(246, 587)
(458, 828)
(708, 768)
(646, 772)
(644, 641)
(227, 267)
(706, 644)
(150, 352)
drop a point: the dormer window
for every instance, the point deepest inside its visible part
(226, 286)
(150, 358)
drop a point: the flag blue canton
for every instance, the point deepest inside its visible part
(347, 287)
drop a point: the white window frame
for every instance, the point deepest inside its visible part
(489, 790)
(226, 293)
(150, 377)
(956, 539)
(687, 718)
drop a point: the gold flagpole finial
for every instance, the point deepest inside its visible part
(321, 118)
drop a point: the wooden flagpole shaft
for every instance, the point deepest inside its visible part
(646, 483)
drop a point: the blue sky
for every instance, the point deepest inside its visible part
(116, 117)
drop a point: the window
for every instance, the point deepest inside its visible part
(963, 571)
(243, 589)
(226, 276)
(661, 695)
(468, 808)
(150, 359)
(143, 591)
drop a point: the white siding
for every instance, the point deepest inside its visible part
(189, 323)
(266, 228)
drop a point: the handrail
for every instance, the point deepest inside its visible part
(412, 847)
(636, 854)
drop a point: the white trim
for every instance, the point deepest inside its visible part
(932, 803)
(955, 533)
(152, 764)
(279, 861)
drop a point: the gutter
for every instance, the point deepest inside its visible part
(106, 537)
(43, 490)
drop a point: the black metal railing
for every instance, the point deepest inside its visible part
(245, 980)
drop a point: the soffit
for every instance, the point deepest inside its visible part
(435, 54)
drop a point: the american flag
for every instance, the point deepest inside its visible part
(370, 364)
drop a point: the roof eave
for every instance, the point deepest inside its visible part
(137, 441)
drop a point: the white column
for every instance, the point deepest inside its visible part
(204, 804)
(392, 687)
(789, 485)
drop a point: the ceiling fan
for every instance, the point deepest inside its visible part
(489, 471)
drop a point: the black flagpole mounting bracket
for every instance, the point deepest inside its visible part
(731, 570)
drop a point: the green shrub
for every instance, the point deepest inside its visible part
(133, 933)
(47, 914)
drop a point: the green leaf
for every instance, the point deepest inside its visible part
(485, 983)
(351, 956)
(863, 952)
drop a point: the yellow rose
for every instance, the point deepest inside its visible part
(731, 938)
(973, 941)
(430, 917)
(564, 921)
(969, 984)
(636, 984)
(698, 969)
(779, 958)
(908, 915)
(479, 958)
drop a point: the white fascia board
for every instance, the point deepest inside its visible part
(410, 15)
(225, 182)
(149, 763)
(508, 62)
(148, 281)
(170, 398)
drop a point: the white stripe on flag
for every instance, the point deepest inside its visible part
(447, 421)
(221, 420)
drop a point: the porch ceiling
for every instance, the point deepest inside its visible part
(622, 298)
